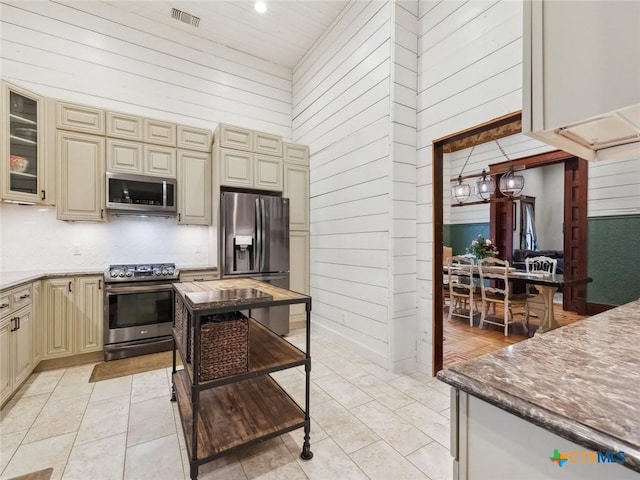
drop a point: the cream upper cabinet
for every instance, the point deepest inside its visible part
(298, 272)
(159, 132)
(296, 188)
(267, 144)
(236, 168)
(89, 319)
(159, 161)
(124, 156)
(81, 176)
(127, 127)
(192, 138)
(24, 145)
(267, 173)
(194, 188)
(80, 118)
(235, 137)
(298, 154)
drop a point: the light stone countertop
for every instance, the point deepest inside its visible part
(580, 382)
(10, 279)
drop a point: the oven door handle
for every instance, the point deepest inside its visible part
(109, 290)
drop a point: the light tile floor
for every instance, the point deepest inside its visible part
(367, 423)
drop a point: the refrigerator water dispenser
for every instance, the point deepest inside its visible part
(243, 254)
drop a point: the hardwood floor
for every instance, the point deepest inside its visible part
(463, 342)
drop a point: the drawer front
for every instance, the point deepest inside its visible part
(121, 125)
(5, 304)
(267, 144)
(160, 133)
(235, 137)
(199, 276)
(193, 138)
(20, 298)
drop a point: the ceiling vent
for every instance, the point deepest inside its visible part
(185, 17)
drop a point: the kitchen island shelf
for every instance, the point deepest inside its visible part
(234, 410)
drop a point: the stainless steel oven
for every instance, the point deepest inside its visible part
(138, 309)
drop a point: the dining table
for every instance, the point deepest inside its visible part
(546, 285)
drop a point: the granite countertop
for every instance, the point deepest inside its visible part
(229, 294)
(580, 382)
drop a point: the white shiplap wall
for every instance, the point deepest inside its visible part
(614, 188)
(94, 53)
(341, 109)
(469, 71)
(404, 77)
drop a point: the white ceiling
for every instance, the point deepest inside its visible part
(282, 35)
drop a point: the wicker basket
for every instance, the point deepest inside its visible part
(224, 342)
(224, 346)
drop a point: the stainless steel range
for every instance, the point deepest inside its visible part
(138, 309)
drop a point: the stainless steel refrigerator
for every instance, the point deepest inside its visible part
(254, 243)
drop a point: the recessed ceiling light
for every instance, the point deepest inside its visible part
(260, 6)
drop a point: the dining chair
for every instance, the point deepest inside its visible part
(461, 287)
(540, 265)
(495, 290)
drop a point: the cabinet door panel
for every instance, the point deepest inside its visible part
(266, 143)
(36, 311)
(236, 168)
(80, 118)
(194, 188)
(299, 272)
(124, 156)
(235, 137)
(298, 154)
(192, 138)
(58, 317)
(23, 346)
(160, 161)
(81, 177)
(6, 377)
(161, 133)
(89, 314)
(121, 125)
(268, 173)
(296, 188)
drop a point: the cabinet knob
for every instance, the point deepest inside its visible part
(102, 213)
(43, 194)
(26, 295)
(70, 286)
(4, 305)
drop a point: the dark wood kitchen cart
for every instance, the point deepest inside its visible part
(220, 415)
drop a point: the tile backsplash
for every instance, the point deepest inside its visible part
(33, 239)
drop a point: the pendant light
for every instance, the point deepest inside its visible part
(510, 184)
(461, 191)
(485, 186)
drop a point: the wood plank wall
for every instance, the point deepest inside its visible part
(92, 53)
(404, 62)
(469, 71)
(341, 109)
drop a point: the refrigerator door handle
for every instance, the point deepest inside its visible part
(259, 237)
(263, 246)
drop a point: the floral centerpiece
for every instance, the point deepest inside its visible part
(483, 247)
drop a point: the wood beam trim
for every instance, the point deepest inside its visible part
(500, 127)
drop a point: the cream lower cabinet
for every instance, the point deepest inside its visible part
(298, 272)
(36, 308)
(16, 340)
(194, 188)
(73, 316)
(199, 276)
(81, 170)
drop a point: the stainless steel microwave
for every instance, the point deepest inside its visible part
(141, 194)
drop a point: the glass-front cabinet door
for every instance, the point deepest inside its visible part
(22, 145)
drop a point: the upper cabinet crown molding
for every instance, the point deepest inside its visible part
(80, 118)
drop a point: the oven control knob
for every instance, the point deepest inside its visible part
(164, 271)
(121, 273)
(156, 271)
(114, 273)
(170, 271)
(129, 273)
